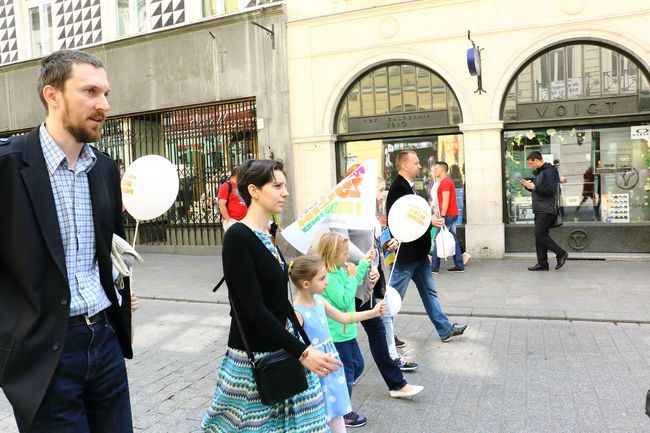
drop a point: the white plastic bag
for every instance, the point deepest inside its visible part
(445, 243)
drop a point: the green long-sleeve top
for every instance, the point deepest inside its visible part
(340, 292)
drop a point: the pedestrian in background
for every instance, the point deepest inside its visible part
(445, 196)
(63, 333)
(544, 187)
(231, 205)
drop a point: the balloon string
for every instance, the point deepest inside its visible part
(392, 269)
(135, 236)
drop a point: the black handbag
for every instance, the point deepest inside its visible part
(558, 218)
(558, 221)
(647, 403)
(278, 375)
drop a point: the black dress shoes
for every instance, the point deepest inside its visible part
(561, 261)
(539, 267)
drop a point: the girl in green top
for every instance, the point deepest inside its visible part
(343, 279)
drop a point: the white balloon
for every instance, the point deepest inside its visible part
(409, 218)
(393, 300)
(149, 187)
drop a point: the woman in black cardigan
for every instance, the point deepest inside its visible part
(256, 275)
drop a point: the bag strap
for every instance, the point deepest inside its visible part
(241, 332)
(229, 192)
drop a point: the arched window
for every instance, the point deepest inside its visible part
(554, 85)
(397, 96)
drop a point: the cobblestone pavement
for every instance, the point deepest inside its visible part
(503, 375)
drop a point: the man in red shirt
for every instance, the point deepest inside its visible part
(231, 204)
(446, 207)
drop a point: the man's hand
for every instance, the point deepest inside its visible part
(391, 245)
(527, 184)
(437, 222)
(134, 301)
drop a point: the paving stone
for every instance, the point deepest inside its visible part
(504, 375)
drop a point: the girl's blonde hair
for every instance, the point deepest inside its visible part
(304, 268)
(329, 246)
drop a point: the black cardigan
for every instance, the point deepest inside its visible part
(258, 288)
(419, 248)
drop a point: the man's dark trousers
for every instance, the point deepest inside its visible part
(376, 332)
(89, 392)
(543, 241)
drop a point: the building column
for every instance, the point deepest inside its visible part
(314, 167)
(484, 231)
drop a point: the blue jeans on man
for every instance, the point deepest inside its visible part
(352, 359)
(450, 223)
(89, 392)
(420, 272)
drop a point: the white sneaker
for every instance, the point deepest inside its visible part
(466, 256)
(414, 390)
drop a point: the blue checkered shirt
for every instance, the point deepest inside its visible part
(75, 214)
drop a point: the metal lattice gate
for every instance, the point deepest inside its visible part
(204, 142)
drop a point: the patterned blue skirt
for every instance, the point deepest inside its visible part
(236, 405)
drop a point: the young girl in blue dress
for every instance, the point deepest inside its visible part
(309, 276)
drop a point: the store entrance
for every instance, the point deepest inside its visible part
(430, 149)
(586, 108)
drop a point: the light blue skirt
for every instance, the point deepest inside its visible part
(236, 405)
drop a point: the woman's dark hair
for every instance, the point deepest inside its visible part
(256, 172)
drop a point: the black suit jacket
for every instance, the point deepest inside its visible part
(419, 248)
(34, 291)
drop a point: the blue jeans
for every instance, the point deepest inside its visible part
(89, 392)
(377, 341)
(352, 360)
(450, 223)
(420, 272)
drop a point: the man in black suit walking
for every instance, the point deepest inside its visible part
(65, 330)
(413, 257)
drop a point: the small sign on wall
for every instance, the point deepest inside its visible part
(638, 132)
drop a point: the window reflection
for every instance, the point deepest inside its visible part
(408, 88)
(381, 91)
(424, 89)
(393, 89)
(367, 96)
(604, 173)
(430, 149)
(575, 72)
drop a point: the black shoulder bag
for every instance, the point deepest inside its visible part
(558, 218)
(278, 375)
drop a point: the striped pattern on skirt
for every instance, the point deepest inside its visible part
(236, 405)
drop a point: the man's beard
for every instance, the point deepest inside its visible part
(81, 132)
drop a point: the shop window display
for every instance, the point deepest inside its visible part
(448, 148)
(603, 171)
